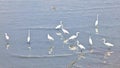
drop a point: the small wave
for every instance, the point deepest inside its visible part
(38, 28)
(40, 56)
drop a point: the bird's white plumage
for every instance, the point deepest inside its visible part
(71, 38)
(74, 36)
(28, 38)
(6, 36)
(50, 37)
(107, 43)
(90, 40)
(64, 30)
(80, 45)
(96, 22)
(59, 26)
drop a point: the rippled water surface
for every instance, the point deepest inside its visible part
(42, 16)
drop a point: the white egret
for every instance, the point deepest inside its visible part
(28, 38)
(64, 30)
(7, 37)
(107, 43)
(59, 26)
(50, 38)
(90, 41)
(72, 37)
(80, 45)
(96, 22)
(91, 44)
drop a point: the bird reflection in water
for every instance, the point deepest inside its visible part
(107, 54)
(51, 39)
(50, 51)
(96, 30)
(74, 62)
(73, 47)
(7, 46)
(29, 47)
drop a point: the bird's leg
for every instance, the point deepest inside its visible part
(91, 47)
(29, 47)
(28, 42)
(29, 50)
(81, 51)
(7, 41)
(109, 49)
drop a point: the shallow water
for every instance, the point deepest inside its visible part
(16, 17)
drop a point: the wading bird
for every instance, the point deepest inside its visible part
(72, 37)
(59, 26)
(91, 44)
(64, 30)
(90, 41)
(28, 37)
(80, 46)
(107, 43)
(7, 38)
(96, 22)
